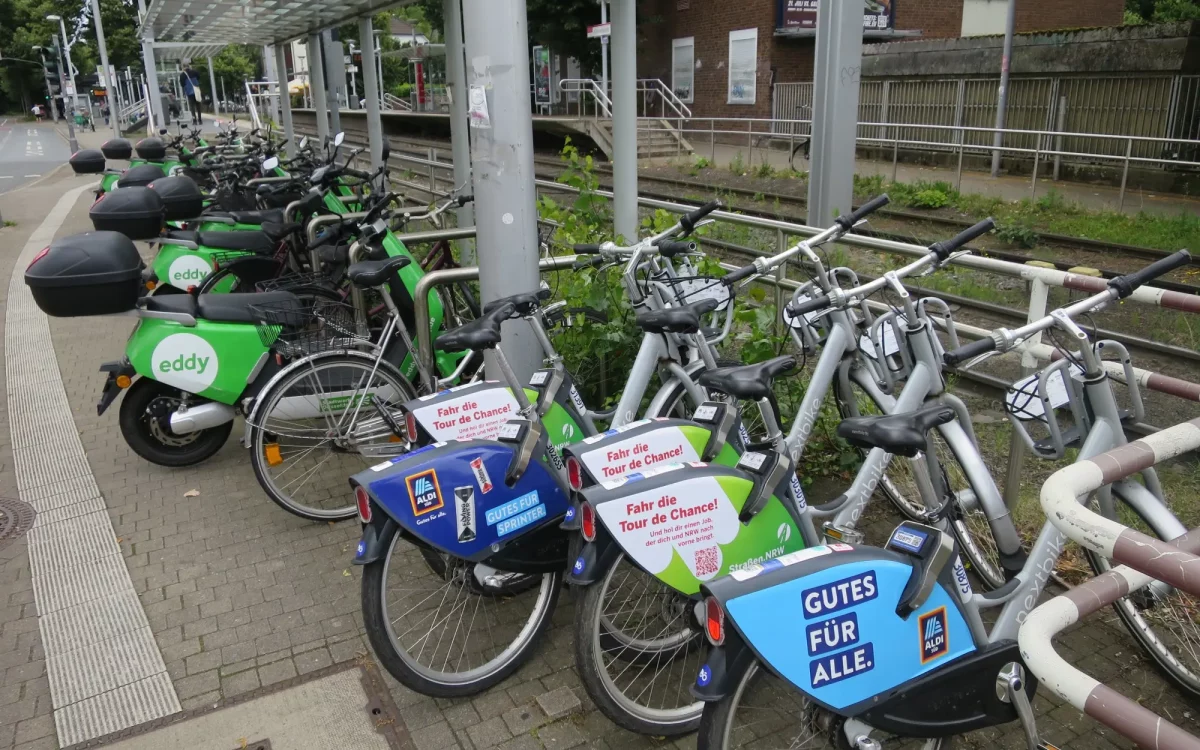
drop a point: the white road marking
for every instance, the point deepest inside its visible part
(5, 177)
(33, 175)
(103, 665)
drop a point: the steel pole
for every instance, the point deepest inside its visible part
(335, 72)
(152, 91)
(502, 154)
(66, 45)
(835, 110)
(212, 88)
(71, 142)
(285, 101)
(624, 118)
(371, 90)
(316, 83)
(1002, 101)
(109, 88)
(604, 49)
(460, 136)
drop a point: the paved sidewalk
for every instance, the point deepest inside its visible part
(239, 594)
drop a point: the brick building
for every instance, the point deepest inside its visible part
(735, 50)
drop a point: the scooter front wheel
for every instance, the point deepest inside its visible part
(145, 422)
(446, 627)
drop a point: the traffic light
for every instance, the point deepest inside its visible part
(50, 70)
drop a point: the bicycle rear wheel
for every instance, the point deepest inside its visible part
(764, 713)
(313, 426)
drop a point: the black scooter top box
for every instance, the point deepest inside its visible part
(87, 161)
(151, 149)
(117, 148)
(140, 176)
(180, 196)
(136, 212)
(94, 273)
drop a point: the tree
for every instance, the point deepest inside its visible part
(234, 65)
(1161, 11)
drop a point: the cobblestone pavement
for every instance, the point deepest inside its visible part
(240, 594)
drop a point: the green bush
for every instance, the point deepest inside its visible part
(1018, 233)
(764, 171)
(930, 199)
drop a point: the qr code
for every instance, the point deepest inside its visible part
(708, 561)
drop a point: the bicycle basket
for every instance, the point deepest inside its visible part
(223, 258)
(689, 289)
(290, 282)
(304, 326)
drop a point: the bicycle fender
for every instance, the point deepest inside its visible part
(253, 412)
(594, 560)
(855, 650)
(452, 497)
(370, 545)
(719, 674)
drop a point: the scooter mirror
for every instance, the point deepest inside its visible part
(339, 139)
(270, 164)
(304, 143)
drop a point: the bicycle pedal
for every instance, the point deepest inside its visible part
(843, 534)
(1010, 688)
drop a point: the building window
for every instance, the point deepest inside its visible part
(743, 65)
(683, 67)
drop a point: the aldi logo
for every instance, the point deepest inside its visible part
(424, 492)
(935, 642)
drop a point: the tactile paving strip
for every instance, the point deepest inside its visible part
(105, 670)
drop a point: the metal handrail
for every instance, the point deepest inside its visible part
(1144, 559)
(669, 97)
(391, 101)
(591, 88)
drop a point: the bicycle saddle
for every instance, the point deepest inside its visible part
(901, 434)
(220, 308)
(250, 240)
(683, 319)
(525, 303)
(368, 273)
(747, 381)
(481, 333)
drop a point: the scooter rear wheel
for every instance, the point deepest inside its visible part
(145, 423)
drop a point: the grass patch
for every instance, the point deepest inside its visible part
(8, 223)
(1021, 222)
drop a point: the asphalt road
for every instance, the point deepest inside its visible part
(28, 150)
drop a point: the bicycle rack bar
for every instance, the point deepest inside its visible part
(425, 354)
(1145, 561)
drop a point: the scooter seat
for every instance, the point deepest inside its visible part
(264, 216)
(186, 235)
(220, 308)
(683, 319)
(481, 333)
(750, 382)
(901, 434)
(249, 240)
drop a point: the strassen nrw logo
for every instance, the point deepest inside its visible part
(424, 492)
(934, 640)
(783, 533)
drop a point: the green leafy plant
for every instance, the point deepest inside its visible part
(1018, 233)
(930, 199)
(737, 165)
(701, 163)
(764, 171)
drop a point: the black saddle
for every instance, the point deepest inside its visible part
(683, 319)
(370, 273)
(249, 240)
(750, 382)
(525, 303)
(265, 216)
(481, 333)
(220, 308)
(901, 434)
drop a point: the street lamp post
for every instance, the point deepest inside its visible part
(66, 46)
(74, 144)
(110, 88)
(49, 86)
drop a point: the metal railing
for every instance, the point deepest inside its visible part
(1144, 560)
(587, 89)
(393, 102)
(1159, 106)
(669, 103)
(259, 94)
(1046, 146)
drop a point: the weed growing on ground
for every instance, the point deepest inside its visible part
(764, 171)
(738, 164)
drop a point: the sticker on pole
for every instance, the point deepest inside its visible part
(595, 31)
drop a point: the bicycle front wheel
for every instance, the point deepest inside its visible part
(315, 426)
(763, 713)
(1166, 623)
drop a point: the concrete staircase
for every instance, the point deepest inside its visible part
(655, 138)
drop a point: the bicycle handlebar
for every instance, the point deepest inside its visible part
(590, 248)
(876, 203)
(670, 248)
(944, 249)
(689, 220)
(463, 200)
(1125, 285)
(969, 351)
(807, 306)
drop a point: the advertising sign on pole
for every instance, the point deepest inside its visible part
(541, 75)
